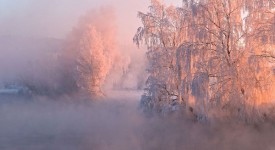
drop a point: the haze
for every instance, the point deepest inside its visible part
(55, 18)
(82, 75)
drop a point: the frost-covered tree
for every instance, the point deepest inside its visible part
(92, 62)
(233, 31)
(160, 34)
(209, 55)
(92, 47)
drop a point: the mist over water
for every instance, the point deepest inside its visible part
(51, 117)
(116, 123)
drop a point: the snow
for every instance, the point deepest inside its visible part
(9, 91)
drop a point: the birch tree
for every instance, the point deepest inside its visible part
(219, 55)
(160, 33)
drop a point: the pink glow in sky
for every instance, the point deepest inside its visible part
(55, 18)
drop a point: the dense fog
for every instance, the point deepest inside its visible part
(117, 123)
(101, 75)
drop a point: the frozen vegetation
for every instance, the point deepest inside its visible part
(210, 58)
(205, 81)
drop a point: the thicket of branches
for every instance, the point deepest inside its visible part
(209, 56)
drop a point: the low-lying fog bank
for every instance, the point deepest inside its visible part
(117, 124)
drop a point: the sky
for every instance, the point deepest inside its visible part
(55, 18)
(35, 19)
